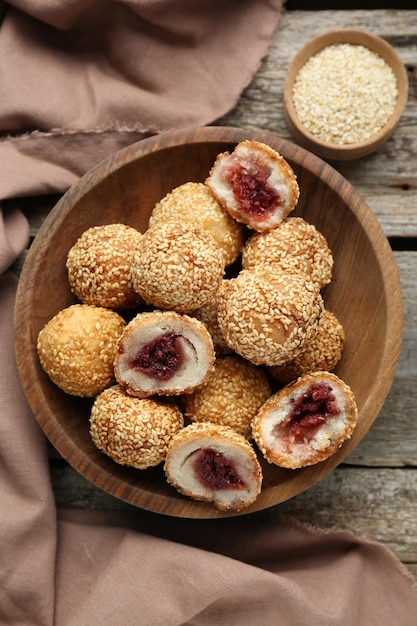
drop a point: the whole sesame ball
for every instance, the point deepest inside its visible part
(234, 393)
(208, 314)
(76, 348)
(194, 202)
(133, 431)
(322, 352)
(267, 316)
(177, 267)
(294, 245)
(99, 266)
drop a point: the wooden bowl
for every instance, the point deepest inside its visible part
(344, 152)
(365, 294)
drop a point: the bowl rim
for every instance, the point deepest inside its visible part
(358, 37)
(57, 434)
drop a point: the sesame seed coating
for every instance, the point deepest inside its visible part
(133, 431)
(208, 314)
(177, 266)
(322, 352)
(294, 245)
(232, 396)
(76, 348)
(99, 266)
(267, 316)
(194, 202)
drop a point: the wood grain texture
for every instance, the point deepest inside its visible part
(374, 491)
(387, 179)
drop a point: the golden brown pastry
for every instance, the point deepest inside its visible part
(232, 396)
(294, 245)
(165, 353)
(208, 314)
(322, 352)
(255, 184)
(99, 266)
(306, 421)
(193, 202)
(213, 463)
(76, 348)
(268, 316)
(177, 267)
(133, 431)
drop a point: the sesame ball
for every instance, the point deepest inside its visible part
(322, 352)
(208, 314)
(163, 353)
(133, 431)
(193, 202)
(213, 463)
(177, 267)
(306, 421)
(293, 245)
(76, 348)
(268, 316)
(255, 184)
(234, 393)
(99, 266)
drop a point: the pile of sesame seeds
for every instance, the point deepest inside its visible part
(345, 93)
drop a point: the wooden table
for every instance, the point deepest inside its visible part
(374, 492)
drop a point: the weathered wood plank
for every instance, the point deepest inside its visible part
(392, 440)
(387, 179)
(378, 504)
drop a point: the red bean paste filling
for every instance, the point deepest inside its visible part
(311, 411)
(215, 471)
(248, 181)
(160, 358)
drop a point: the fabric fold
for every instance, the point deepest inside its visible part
(86, 68)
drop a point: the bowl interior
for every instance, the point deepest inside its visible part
(344, 151)
(365, 294)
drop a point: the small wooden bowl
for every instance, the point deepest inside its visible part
(344, 152)
(365, 294)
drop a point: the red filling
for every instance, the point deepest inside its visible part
(160, 358)
(309, 412)
(249, 184)
(215, 471)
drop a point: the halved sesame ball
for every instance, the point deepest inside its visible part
(293, 245)
(213, 463)
(99, 266)
(193, 202)
(267, 316)
(177, 267)
(165, 353)
(306, 421)
(232, 396)
(322, 352)
(77, 346)
(133, 431)
(255, 184)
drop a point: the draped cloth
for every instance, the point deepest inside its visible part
(80, 79)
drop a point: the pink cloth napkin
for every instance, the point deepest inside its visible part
(78, 567)
(80, 79)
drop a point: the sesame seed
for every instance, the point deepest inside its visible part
(345, 93)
